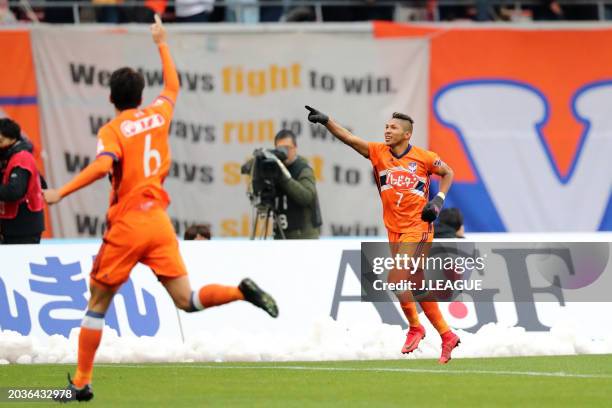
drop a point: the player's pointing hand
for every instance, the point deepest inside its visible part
(315, 116)
(158, 31)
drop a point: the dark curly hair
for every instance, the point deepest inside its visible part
(126, 88)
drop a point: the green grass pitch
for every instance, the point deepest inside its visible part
(569, 381)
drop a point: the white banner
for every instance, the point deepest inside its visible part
(238, 90)
(43, 291)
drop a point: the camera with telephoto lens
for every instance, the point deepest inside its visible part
(264, 172)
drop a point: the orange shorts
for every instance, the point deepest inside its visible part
(410, 243)
(415, 245)
(410, 236)
(141, 236)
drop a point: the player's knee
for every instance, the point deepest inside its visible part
(101, 297)
(180, 291)
(183, 302)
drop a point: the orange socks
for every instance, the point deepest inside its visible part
(411, 313)
(215, 295)
(89, 340)
(432, 311)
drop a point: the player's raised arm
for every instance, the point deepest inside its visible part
(96, 170)
(171, 79)
(357, 143)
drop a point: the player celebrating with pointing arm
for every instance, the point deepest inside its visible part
(134, 149)
(403, 173)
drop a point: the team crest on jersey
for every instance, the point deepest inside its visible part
(412, 167)
(131, 128)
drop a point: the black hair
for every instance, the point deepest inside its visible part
(403, 116)
(197, 229)
(10, 129)
(285, 134)
(451, 217)
(126, 88)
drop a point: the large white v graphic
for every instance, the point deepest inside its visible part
(498, 122)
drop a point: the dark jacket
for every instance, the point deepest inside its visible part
(297, 204)
(27, 223)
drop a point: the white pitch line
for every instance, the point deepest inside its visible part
(366, 369)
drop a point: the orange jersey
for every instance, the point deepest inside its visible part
(134, 148)
(137, 141)
(403, 183)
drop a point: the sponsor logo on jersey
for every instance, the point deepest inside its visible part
(131, 128)
(401, 179)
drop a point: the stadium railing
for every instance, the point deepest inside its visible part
(407, 9)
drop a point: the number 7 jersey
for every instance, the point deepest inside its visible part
(403, 183)
(137, 141)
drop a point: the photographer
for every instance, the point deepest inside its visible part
(297, 204)
(283, 185)
(21, 201)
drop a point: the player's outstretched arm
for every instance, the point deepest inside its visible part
(96, 170)
(357, 143)
(171, 79)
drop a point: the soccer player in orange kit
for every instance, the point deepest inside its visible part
(134, 149)
(403, 174)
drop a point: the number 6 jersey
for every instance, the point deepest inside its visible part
(137, 140)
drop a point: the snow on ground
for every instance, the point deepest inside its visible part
(324, 340)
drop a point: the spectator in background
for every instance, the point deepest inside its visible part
(368, 10)
(59, 15)
(484, 11)
(193, 11)
(22, 219)
(480, 10)
(450, 224)
(271, 14)
(108, 11)
(197, 232)
(549, 10)
(242, 11)
(6, 15)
